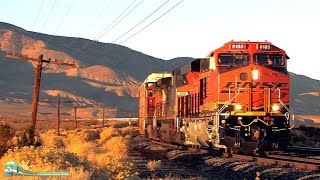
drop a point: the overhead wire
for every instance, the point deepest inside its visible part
(62, 20)
(116, 22)
(99, 36)
(152, 22)
(95, 20)
(44, 24)
(99, 50)
(83, 65)
(88, 25)
(123, 17)
(35, 21)
(141, 21)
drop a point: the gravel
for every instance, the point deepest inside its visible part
(182, 164)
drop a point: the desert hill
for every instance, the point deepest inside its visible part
(106, 74)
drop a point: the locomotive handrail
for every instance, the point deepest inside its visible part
(229, 102)
(224, 106)
(253, 121)
(288, 110)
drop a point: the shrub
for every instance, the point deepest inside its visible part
(46, 159)
(107, 133)
(154, 165)
(117, 146)
(75, 143)
(51, 140)
(6, 134)
(78, 173)
(76, 152)
(90, 135)
(115, 168)
(30, 134)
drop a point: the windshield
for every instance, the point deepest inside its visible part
(233, 59)
(228, 62)
(271, 60)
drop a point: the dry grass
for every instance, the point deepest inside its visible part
(107, 133)
(154, 165)
(50, 139)
(117, 146)
(85, 153)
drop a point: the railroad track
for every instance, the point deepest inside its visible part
(295, 156)
(283, 161)
(304, 151)
(290, 158)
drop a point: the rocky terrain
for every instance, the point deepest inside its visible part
(179, 164)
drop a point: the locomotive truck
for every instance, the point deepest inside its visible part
(236, 99)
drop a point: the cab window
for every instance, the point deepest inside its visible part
(228, 62)
(233, 59)
(272, 60)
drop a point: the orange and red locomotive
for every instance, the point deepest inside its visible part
(237, 98)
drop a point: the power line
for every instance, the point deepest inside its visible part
(116, 22)
(101, 35)
(115, 19)
(49, 15)
(141, 21)
(99, 50)
(88, 25)
(152, 21)
(63, 20)
(122, 18)
(95, 20)
(34, 23)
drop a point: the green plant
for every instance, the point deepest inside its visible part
(6, 134)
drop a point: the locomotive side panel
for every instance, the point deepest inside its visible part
(142, 108)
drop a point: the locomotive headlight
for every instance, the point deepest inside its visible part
(275, 107)
(255, 74)
(238, 107)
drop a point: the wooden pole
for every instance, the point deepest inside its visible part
(75, 116)
(102, 116)
(58, 104)
(58, 109)
(130, 124)
(36, 91)
(37, 79)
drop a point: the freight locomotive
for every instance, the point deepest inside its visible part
(235, 99)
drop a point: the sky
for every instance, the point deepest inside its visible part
(191, 29)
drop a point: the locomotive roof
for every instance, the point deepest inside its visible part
(246, 46)
(156, 76)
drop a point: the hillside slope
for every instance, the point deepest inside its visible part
(106, 74)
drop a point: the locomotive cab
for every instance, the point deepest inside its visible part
(253, 96)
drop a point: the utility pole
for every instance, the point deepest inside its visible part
(130, 118)
(130, 130)
(58, 108)
(38, 64)
(75, 108)
(75, 116)
(103, 117)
